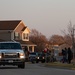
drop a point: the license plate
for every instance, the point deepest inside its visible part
(10, 61)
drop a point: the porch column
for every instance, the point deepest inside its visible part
(32, 48)
(28, 48)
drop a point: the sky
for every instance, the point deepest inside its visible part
(49, 17)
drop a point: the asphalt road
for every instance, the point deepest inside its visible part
(34, 69)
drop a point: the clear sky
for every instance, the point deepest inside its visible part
(47, 16)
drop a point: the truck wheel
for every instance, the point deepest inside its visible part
(37, 61)
(21, 65)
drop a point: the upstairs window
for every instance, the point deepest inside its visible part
(25, 36)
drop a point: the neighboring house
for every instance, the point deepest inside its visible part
(16, 30)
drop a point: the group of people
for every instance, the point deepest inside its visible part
(67, 55)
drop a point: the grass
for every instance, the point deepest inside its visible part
(61, 65)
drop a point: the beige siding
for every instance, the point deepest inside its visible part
(19, 28)
(26, 31)
(21, 35)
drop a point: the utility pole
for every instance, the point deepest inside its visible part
(73, 42)
(73, 48)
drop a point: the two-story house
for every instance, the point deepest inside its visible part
(16, 30)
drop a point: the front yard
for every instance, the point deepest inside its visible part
(61, 65)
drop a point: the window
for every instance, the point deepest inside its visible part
(17, 35)
(25, 36)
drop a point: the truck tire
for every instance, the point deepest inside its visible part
(21, 66)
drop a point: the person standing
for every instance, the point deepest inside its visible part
(70, 55)
(64, 55)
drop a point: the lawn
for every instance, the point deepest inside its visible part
(60, 65)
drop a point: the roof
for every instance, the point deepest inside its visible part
(9, 24)
(24, 28)
(25, 42)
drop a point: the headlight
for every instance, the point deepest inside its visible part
(43, 57)
(37, 57)
(22, 55)
(0, 56)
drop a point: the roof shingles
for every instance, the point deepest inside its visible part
(9, 24)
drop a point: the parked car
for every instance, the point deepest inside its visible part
(36, 57)
(11, 53)
(40, 58)
(33, 56)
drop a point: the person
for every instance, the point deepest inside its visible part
(64, 55)
(70, 55)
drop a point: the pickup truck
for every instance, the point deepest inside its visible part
(11, 53)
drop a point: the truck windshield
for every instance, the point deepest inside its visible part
(10, 46)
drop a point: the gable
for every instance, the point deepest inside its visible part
(20, 27)
(9, 24)
(26, 30)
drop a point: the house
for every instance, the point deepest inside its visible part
(16, 30)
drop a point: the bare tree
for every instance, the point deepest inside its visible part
(39, 39)
(70, 29)
(56, 39)
(68, 35)
(68, 40)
